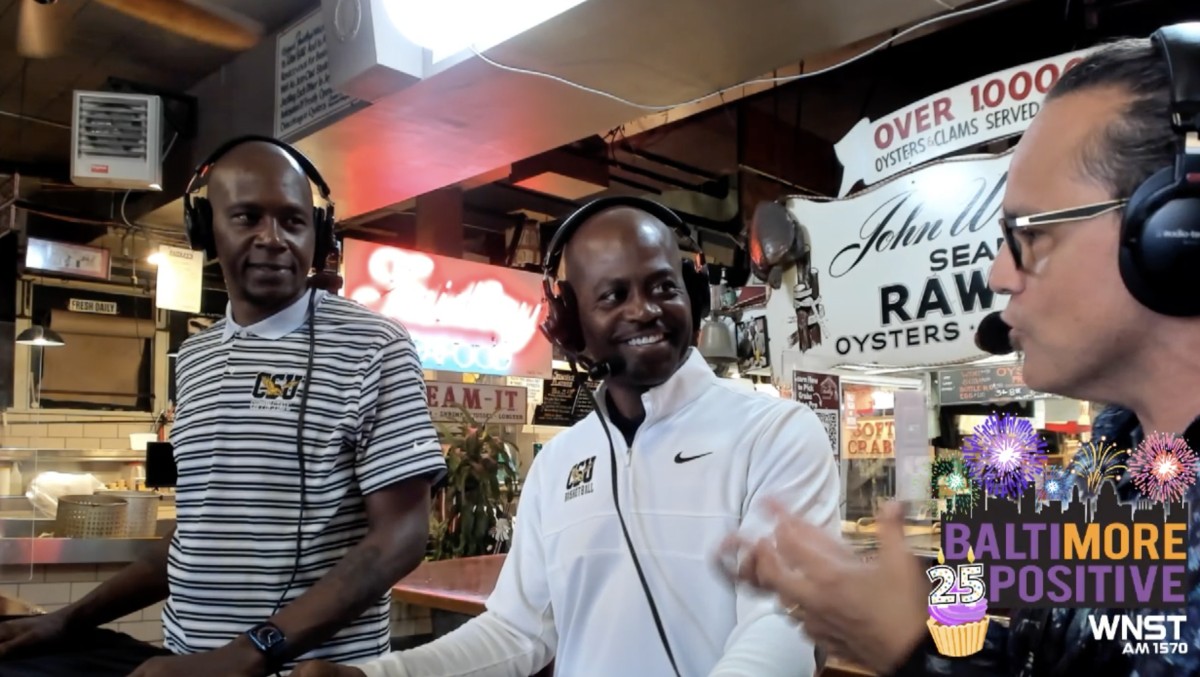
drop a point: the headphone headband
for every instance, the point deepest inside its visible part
(558, 243)
(1180, 48)
(310, 170)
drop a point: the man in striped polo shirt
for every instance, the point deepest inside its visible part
(277, 555)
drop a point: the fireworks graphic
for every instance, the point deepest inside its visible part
(1056, 485)
(1095, 463)
(948, 480)
(1004, 454)
(1163, 467)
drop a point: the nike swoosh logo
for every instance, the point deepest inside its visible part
(680, 458)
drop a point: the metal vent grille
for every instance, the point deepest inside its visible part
(113, 128)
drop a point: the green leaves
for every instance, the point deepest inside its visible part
(481, 482)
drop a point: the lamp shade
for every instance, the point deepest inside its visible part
(716, 342)
(38, 335)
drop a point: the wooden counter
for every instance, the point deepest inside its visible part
(463, 586)
(458, 585)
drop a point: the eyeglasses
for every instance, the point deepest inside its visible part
(1012, 224)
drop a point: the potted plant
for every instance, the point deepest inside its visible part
(471, 513)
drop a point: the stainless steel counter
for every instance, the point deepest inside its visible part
(29, 551)
(27, 540)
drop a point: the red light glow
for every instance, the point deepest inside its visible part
(464, 316)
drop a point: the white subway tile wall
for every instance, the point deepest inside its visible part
(52, 587)
(66, 431)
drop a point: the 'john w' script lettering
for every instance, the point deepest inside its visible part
(882, 235)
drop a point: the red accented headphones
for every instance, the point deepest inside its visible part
(198, 214)
(561, 325)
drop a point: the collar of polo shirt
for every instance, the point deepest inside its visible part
(276, 326)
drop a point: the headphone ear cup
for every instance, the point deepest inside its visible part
(324, 242)
(1159, 254)
(561, 325)
(571, 332)
(199, 227)
(696, 283)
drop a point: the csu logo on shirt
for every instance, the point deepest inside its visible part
(275, 391)
(579, 480)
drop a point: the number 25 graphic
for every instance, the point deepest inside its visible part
(970, 577)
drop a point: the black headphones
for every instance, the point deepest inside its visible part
(1160, 232)
(198, 214)
(561, 325)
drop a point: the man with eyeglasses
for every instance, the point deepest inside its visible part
(1105, 307)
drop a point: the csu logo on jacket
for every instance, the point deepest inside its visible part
(275, 391)
(579, 480)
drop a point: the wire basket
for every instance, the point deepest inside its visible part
(141, 515)
(97, 516)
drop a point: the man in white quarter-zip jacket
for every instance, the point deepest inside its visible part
(696, 458)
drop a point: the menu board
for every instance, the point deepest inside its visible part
(972, 385)
(822, 393)
(564, 401)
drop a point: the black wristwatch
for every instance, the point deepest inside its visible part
(271, 641)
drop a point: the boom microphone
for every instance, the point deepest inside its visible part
(992, 335)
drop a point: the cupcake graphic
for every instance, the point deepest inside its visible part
(958, 629)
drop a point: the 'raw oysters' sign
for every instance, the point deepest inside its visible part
(898, 272)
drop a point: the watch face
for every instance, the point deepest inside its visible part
(268, 636)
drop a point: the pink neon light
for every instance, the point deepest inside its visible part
(481, 312)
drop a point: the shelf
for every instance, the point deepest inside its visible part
(17, 454)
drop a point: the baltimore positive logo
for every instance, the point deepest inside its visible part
(1042, 537)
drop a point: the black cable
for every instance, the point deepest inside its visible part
(307, 386)
(612, 450)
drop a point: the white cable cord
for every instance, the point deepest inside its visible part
(125, 197)
(748, 83)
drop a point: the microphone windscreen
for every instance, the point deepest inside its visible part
(608, 367)
(992, 335)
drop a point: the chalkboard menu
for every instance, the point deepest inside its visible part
(564, 403)
(970, 385)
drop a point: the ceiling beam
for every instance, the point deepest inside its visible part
(485, 219)
(54, 171)
(505, 197)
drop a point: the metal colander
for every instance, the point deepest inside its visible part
(141, 516)
(98, 516)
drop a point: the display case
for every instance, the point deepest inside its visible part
(867, 454)
(112, 516)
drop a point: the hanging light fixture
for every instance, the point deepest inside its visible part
(38, 335)
(716, 342)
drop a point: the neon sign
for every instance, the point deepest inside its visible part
(463, 316)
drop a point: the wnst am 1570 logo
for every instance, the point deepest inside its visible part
(1141, 633)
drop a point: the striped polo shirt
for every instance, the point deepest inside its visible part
(238, 495)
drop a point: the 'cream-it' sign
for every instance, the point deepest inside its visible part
(496, 404)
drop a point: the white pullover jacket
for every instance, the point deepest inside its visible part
(699, 468)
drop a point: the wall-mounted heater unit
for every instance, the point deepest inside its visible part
(116, 141)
